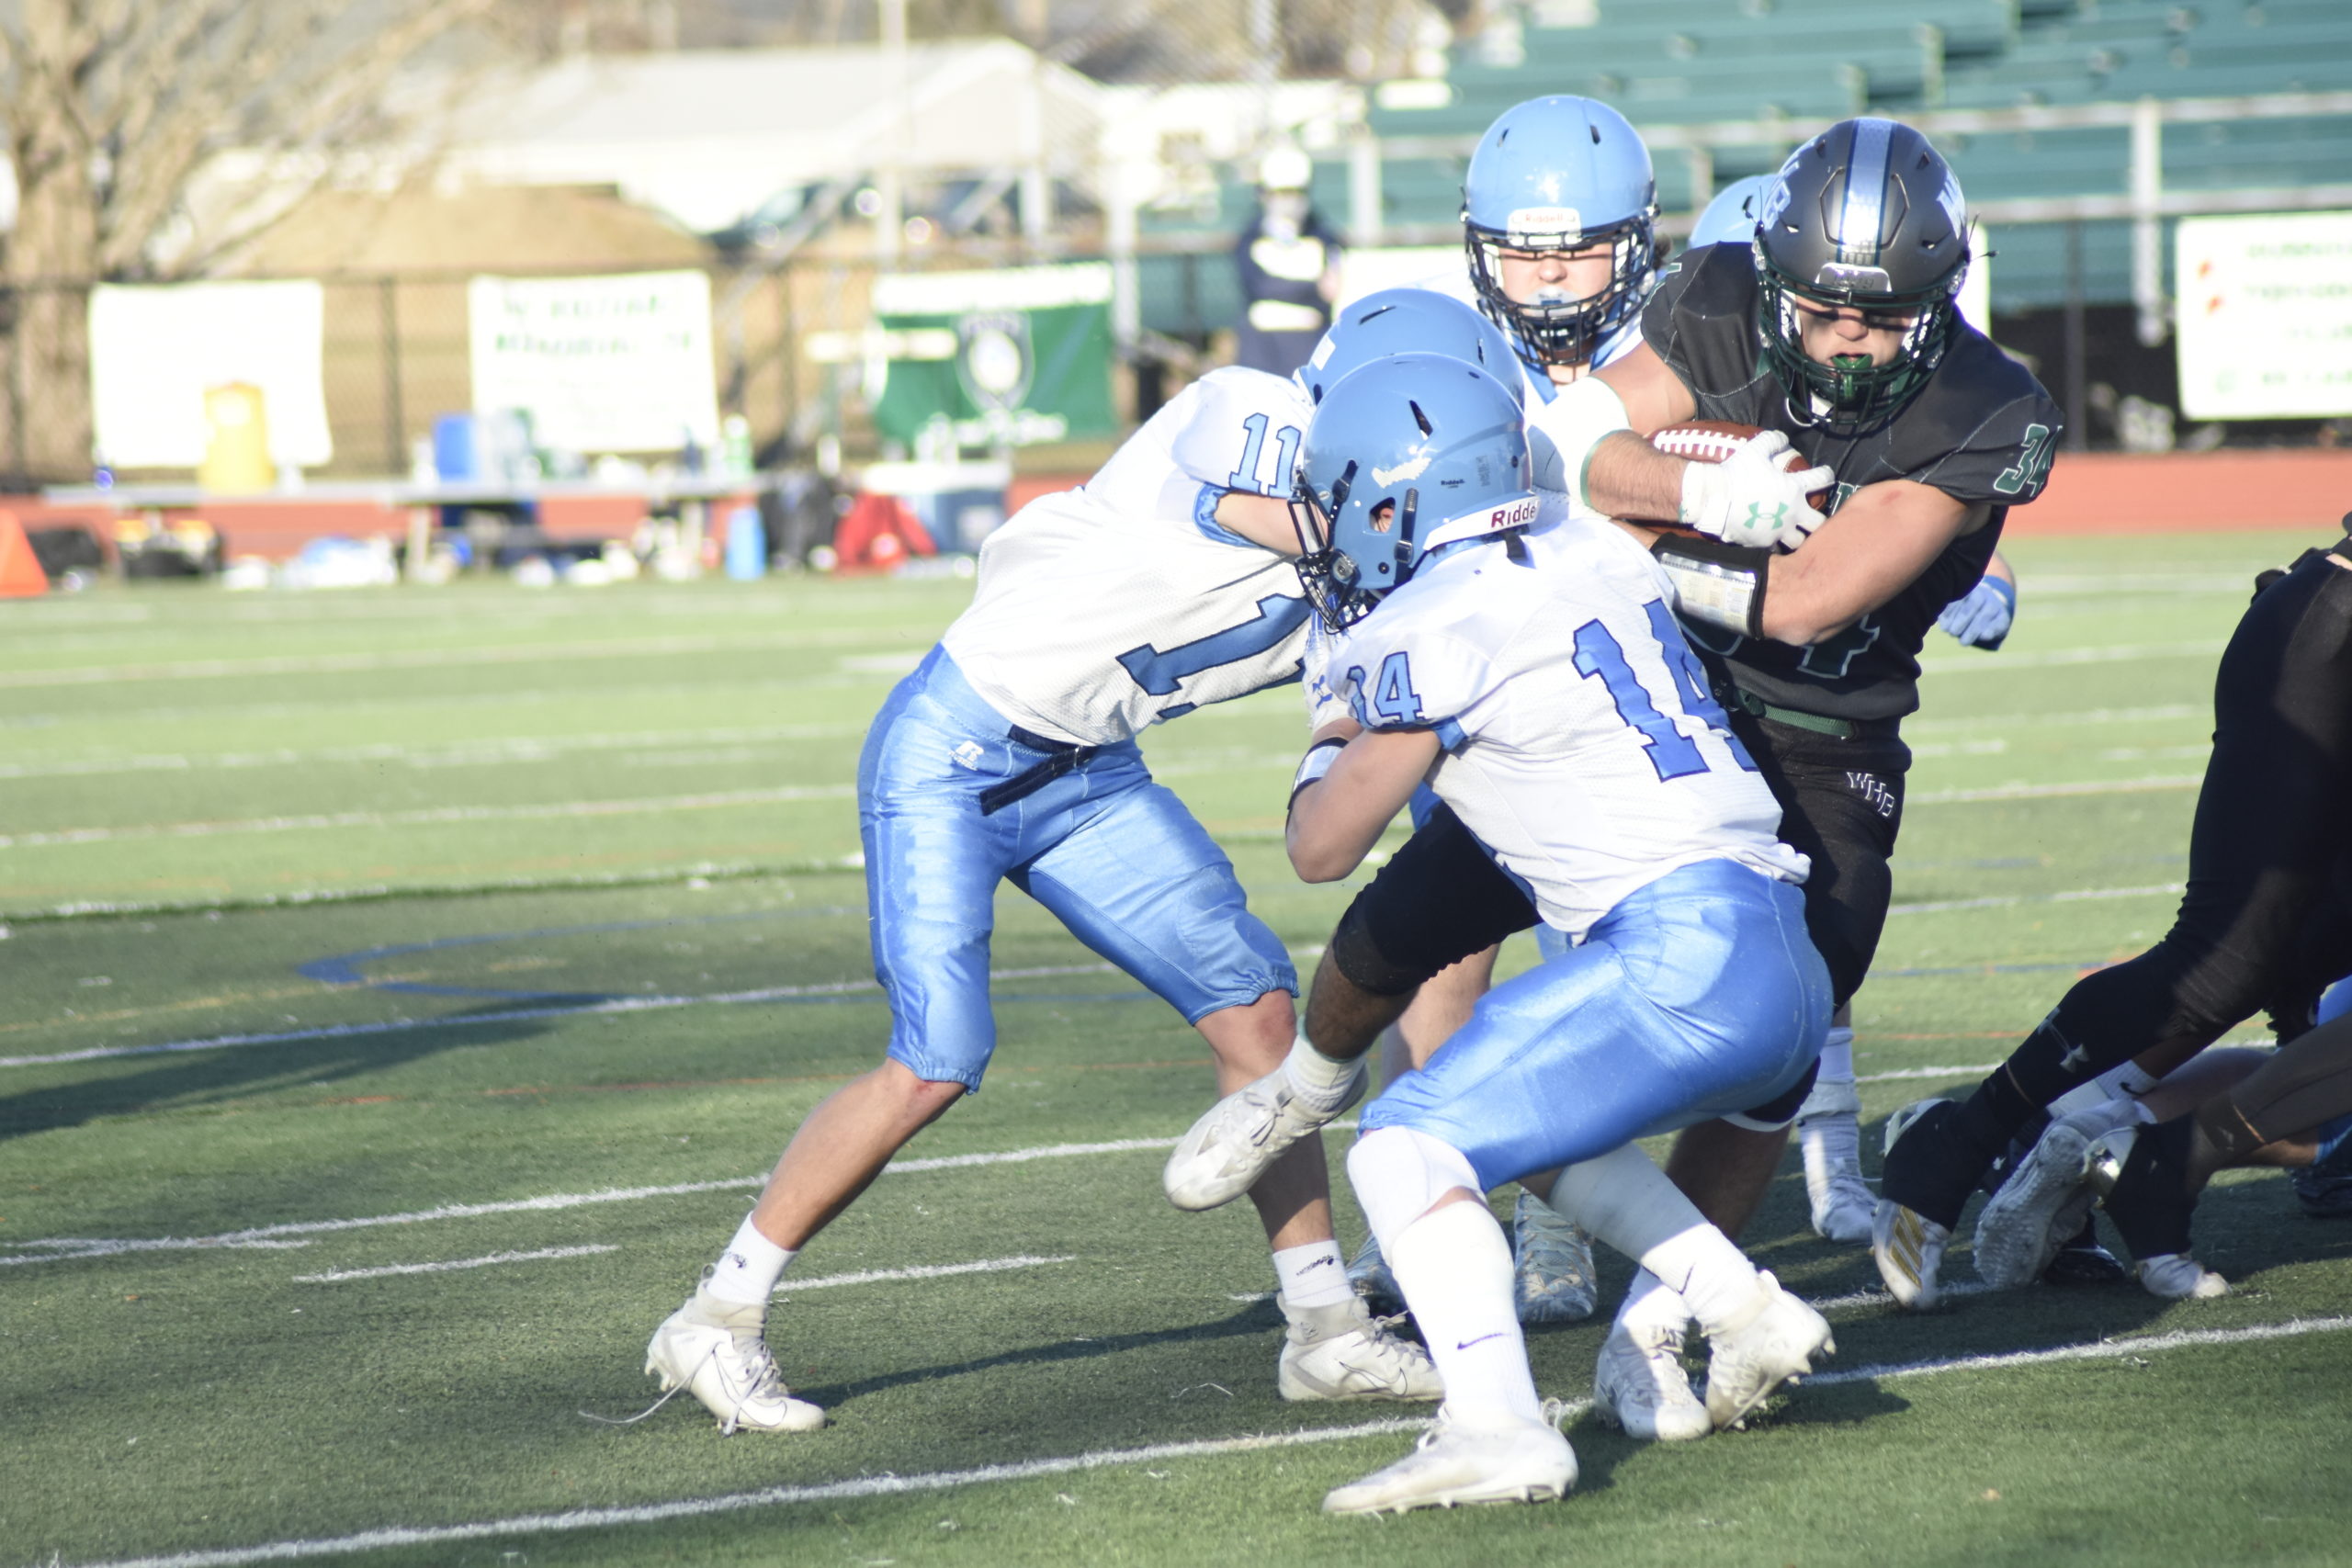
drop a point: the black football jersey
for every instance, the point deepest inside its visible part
(1982, 430)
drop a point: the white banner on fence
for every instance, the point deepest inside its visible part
(156, 349)
(600, 364)
(2265, 315)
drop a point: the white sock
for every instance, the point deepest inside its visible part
(1315, 1077)
(747, 1271)
(1832, 1098)
(1838, 1056)
(1624, 1200)
(1314, 1275)
(1651, 1312)
(1453, 1264)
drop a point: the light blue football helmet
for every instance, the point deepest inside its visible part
(1732, 215)
(1408, 321)
(1404, 456)
(1561, 174)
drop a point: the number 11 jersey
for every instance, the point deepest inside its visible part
(1581, 746)
(1107, 609)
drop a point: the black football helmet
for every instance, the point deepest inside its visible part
(1866, 215)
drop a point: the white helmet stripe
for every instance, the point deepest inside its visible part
(1864, 214)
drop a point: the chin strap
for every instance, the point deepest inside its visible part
(1714, 584)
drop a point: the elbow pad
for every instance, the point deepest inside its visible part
(1714, 584)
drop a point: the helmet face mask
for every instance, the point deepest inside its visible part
(1561, 330)
(1555, 174)
(1405, 456)
(1866, 216)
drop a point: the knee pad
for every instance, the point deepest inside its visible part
(1399, 1173)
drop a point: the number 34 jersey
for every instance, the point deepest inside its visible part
(1581, 745)
(1104, 610)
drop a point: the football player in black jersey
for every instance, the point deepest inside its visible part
(2266, 923)
(1837, 331)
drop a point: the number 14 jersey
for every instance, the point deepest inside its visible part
(1104, 610)
(1581, 746)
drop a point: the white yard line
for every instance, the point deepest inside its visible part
(431, 816)
(2074, 895)
(511, 1015)
(2117, 653)
(435, 658)
(335, 1276)
(59, 1249)
(1906, 1074)
(995, 1474)
(792, 1287)
(452, 754)
(2055, 791)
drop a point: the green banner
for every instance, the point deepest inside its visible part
(1012, 358)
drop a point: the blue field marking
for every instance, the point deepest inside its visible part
(344, 968)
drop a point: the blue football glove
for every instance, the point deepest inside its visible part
(1981, 616)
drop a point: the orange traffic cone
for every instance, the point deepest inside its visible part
(20, 573)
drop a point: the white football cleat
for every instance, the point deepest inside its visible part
(714, 1350)
(2042, 1204)
(2177, 1276)
(1908, 1248)
(1343, 1352)
(1524, 1462)
(1552, 1271)
(1775, 1343)
(1221, 1156)
(1639, 1387)
(1829, 1136)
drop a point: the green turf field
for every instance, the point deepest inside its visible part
(405, 992)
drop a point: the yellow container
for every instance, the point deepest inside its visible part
(236, 441)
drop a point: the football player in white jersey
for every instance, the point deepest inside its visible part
(1538, 681)
(1165, 582)
(1168, 583)
(1559, 209)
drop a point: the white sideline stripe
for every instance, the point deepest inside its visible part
(426, 816)
(2003, 901)
(513, 1015)
(334, 1275)
(2054, 791)
(2119, 653)
(952, 1480)
(66, 1248)
(790, 1286)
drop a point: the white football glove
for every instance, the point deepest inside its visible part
(1754, 497)
(1323, 704)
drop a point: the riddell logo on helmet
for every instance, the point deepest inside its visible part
(1564, 226)
(1517, 513)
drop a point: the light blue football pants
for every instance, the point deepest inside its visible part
(1697, 996)
(1115, 856)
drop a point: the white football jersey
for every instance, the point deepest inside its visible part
(1581, 745)
(1106, 609)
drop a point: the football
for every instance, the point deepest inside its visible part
(1713, 440)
